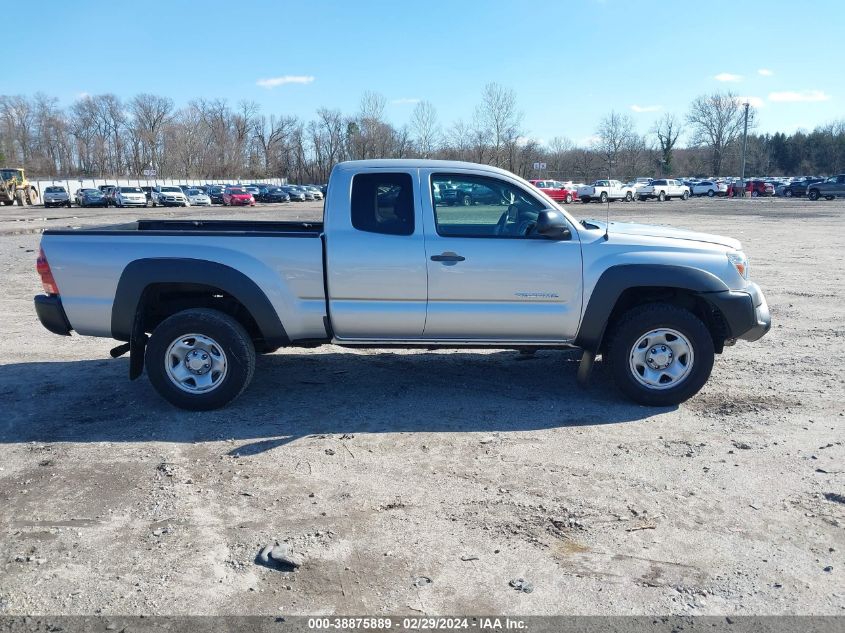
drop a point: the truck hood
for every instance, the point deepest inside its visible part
(652, 230)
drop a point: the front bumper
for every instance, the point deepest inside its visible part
(51, 314)
(745, 312)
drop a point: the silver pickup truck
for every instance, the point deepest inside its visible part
(394, 264)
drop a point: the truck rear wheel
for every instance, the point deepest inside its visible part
(603, 197)
(659, 354)
(200, 359)
(661, 196)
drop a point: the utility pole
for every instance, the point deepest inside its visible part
(744, 147)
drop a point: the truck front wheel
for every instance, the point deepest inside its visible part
(200, 359)
(659, 354)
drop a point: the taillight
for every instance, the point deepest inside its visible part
(43, 268)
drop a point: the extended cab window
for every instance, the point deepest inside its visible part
(383, 203)
(477, 206)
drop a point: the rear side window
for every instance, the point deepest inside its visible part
(383, 203)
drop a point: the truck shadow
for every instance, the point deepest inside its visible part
(297, 394)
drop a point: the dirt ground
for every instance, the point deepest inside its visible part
(389, 469)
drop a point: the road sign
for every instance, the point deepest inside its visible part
(539, 166)
(149, 172)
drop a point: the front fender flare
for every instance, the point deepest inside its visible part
(617, 279)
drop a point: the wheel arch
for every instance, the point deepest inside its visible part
(150, 290)
(625, 286)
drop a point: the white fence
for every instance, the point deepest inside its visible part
(72, 184)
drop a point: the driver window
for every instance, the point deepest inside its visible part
(477, 206)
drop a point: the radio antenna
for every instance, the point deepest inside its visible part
(607, 214)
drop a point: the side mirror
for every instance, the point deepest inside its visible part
(552, 226)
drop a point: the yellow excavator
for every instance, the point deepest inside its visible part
(14, 187)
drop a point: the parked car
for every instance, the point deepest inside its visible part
(827, 189)
(755, 188)
(129, 197)
(709, 188)
(315, 191)
(309, 195)
(468, 194)
(215, 194)
(197, 197)
(92, 198)
(56, 196)
(252, 190)
(79, 193)
(237, 197)
(557, 191)
(170, 196)
(664, 189)
(799, 187)
(108, 193)
(148, 192)
(658, 303)
(604, 190)
(294, 193)
(274, 194)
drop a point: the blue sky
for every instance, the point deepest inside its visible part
(569, 62)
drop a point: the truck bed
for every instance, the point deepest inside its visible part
(202, 227)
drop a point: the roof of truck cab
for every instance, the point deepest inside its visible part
(414, 163)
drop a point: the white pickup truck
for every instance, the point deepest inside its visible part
(604, 190)
(664, 189)
(392, 265)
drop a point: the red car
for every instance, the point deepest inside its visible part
(557, 191)
(753, 188)
(237, 197)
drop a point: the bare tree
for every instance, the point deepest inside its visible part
(667, 130)
(425, 128)
(614, 133)
(150, 114)
(499, 121)
(717, 121)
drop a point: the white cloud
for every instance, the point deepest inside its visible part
(274, 82)
(650, 108)
(728, 77)
(805, 95)
(765, 72)
(756, 102)
(405, 101)
(82, 95)
(589, 141)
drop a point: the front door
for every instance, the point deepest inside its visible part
(490, 278)
(375, 260)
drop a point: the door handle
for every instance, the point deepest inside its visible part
(447, 257)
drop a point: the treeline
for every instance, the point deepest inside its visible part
(104, 136)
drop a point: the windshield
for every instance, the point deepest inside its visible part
(54, 190)
(171, 189)
(194, 192)
(236, 190)
(131, 190)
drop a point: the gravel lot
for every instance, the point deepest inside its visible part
(470, 469)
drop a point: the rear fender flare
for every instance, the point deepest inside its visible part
(141, 273)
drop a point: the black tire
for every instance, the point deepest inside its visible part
(629, 196)
(585, 199)
(661, 196)
(813, 194)
(603, 197)
(643, 198)
(711, 193)
(642, 320)
(685, 196)
(788, 193)
(829, 197)
(568, 198)
(466, 201)
(231, 337)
